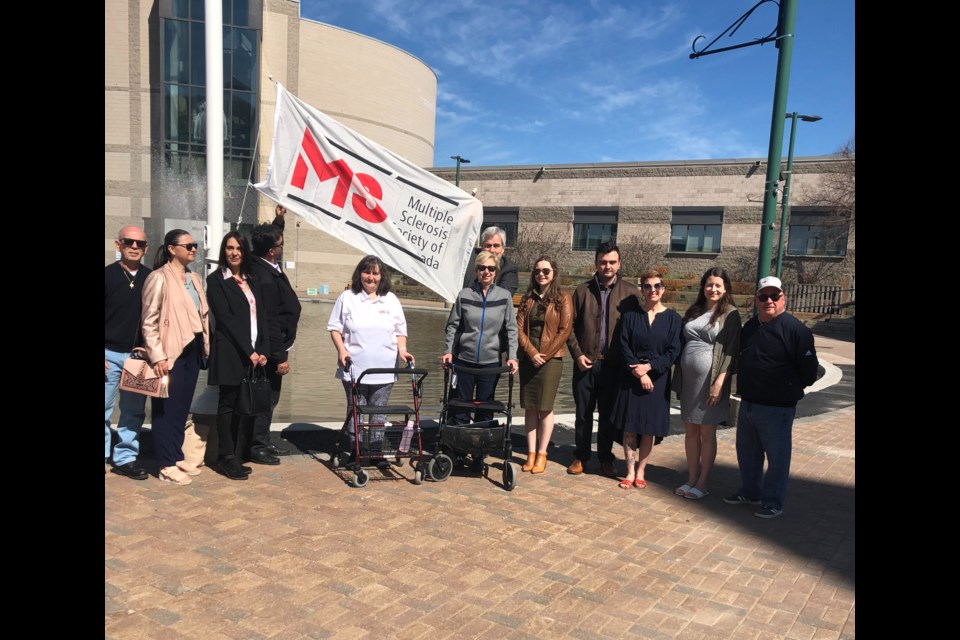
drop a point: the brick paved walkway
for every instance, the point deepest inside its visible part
(294, 552)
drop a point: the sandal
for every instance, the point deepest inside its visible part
(188, 468)
(640, 483)
(682, 489)
(173, 475)
(625, 484)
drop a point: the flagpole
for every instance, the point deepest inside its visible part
(213, 32)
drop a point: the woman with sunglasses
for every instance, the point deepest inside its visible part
(650, 341)
(473, 334)
(176, 336)
(702, 377)
(240, 341)
(544, 321)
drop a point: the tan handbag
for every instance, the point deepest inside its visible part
(139, 377)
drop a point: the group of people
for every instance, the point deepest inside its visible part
(245, 318)
(628, 348)
(630, 351)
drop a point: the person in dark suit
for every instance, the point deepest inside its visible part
(240, 340)
(282, 310)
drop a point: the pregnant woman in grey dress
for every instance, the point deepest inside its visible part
(702, 377)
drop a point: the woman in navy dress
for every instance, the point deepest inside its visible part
(650, 340)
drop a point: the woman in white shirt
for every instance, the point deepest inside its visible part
(368, 327)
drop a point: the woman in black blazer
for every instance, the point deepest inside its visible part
(239, 340)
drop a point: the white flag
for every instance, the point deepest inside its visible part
(371, 198)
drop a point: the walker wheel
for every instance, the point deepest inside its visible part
(360, 479)
(439, 467)
(335, 461)
(418, 477)
(509, 476)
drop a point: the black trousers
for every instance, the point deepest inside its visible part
(594, 389)
(262, 421)
(232, 438)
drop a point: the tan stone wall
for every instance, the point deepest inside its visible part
(646, 193)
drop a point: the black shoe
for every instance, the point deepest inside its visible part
(231, 468)
(131, 470)
(247, 470)
(277, 451)
(261, 456)
(477, 463)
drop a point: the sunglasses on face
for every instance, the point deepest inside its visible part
(545, 271)
(189, 246)
(648, 287)
(763, 297)
(485, 267)
(136, 244)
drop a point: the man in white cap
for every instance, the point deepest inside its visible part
(777, 360)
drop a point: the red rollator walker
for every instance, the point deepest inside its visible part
(377, 443)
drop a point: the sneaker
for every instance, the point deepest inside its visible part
(767, 512)
(739, 499)
(131, 470)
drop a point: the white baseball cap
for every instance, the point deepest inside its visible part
(770, 281)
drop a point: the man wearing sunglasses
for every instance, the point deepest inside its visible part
(594, 344)
(777, 360)
(123, 285)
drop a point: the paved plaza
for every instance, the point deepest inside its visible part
(295, 552)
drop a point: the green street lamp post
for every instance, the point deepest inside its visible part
(785, 207)
(459, 160)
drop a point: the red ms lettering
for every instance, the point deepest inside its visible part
(345, 177)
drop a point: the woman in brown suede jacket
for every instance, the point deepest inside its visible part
(544, 321)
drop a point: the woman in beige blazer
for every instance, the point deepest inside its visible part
(176, 337)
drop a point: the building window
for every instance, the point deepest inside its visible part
(696, 230)
(816, 233)
(504, 217)
(183, 69)
(594, 226)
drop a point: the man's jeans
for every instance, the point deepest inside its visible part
(132, 412)
(764, 430)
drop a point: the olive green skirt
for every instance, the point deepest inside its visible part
(538, 387)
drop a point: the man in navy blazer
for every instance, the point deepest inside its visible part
(283, 314)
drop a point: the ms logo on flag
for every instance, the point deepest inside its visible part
(367, 191)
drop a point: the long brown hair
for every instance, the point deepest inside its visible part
(552, 294)
(699, 307)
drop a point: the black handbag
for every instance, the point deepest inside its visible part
(254, 394)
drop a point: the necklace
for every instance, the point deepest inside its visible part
(128, 276)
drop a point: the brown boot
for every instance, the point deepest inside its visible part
(530, 458)
(541, 464)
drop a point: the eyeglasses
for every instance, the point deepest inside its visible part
(763, 297)
(487, 267)
(136, 244)
(189, 246)
(607, 262)
(278, 246)
(545, 272)
(648, 287)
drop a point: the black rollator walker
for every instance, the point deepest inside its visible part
(477, 439)
(375, 442)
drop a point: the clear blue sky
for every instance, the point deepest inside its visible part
(577, 81)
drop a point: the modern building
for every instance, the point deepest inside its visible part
(683, 215)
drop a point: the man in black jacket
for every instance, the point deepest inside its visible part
(494, 240)
(282, 307)
(777, 360)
